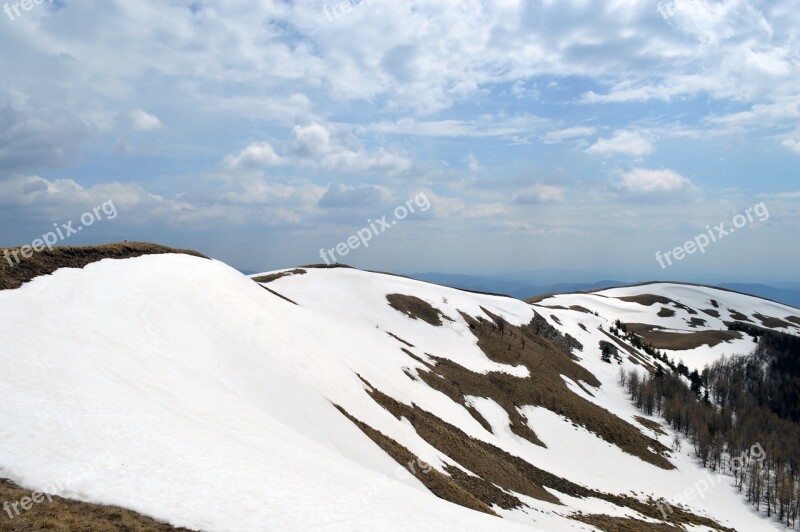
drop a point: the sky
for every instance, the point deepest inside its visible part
(525, 135)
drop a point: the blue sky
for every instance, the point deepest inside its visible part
(573, 134)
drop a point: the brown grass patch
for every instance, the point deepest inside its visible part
(442, 486)
(738, 316)
(661, 339)
(278, 275)
(655, 426)
(416, 308)
(48, 261)
(607, 523)
(66, 514)
(696, 322)
(771, 322)
(793, 319)
(711, 312)
(650, 300)
(545, 387)
(666, 312)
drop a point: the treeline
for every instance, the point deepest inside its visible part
(732, 407)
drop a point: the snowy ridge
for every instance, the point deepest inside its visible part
(215, 401)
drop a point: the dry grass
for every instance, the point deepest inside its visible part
(650, 299)
(416, 308)
(275, 276)
(661, 339)
(68, 515)
(771, 322)
(655, 426)
(666, 312)
(711, 312)
(793, 319)
(546, 363)
(48, 261)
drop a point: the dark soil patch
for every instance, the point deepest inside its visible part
(48, 261)
(275, 276)
(711, 312)
(67, 514)
(666, 312)
(442, 486)
(661, 339)
(546, 362)
(581, 309)
(697, 322)
(499, 474)
(274, 293)
(771, 322)
(650, 299)
(400, 339)
(555, 319)
(655, 426)
(738, 316)
(793, 319)
(607, 523)
(416, 308)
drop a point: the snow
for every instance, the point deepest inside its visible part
(212, 400)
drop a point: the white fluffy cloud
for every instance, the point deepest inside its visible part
(143, 121)
(256, 155)
(622, 142)
(644, 181)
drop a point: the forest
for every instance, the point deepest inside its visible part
(735, 404)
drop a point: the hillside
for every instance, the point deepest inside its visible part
(337, 399)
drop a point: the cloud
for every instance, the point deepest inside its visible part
(621, 142)
(256, 155)
(793, 144)
(539, 194)
(143, 121)
(554, 137)
(339, 195)
(339, 151)
(34, 136)
(644, 181)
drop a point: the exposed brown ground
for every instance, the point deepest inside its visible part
(68, 515)
(666, 312)
(416, 308)
(661, 339)
(608, 523)
(793, 319)
(499, 474)
(655, 426)
(738, 316)
(546, 363)
(275, 276)
(697, 322)
(771, 322)
(650, 299)
(711, 312)
(48, 261)
(440, 485)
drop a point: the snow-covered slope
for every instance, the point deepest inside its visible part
(176, 387)
(698, 312)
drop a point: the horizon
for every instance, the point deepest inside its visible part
(632, 140)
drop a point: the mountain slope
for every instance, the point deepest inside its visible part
(328, 399)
